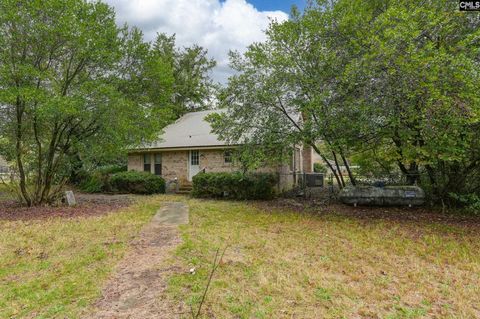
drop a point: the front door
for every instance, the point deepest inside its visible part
(193, 164)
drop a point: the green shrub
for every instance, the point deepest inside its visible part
(111, 169)
(137, 183)
(235, 185)
(99, 180)
(471, 202)
(93, 183)
(319, 168)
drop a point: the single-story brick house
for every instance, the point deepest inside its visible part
(188, 146)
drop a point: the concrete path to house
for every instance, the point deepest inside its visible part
(137, 288)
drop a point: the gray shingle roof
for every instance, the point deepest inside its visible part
(189, 131)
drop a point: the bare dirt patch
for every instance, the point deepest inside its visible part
(137, 288)
(88, 205)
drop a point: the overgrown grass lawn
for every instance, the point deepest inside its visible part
(281, 264)
(55, 268)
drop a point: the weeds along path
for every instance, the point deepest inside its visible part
(137, 287)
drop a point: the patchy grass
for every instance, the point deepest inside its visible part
(54, 268)
(281, 264)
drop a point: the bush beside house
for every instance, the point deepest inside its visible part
(137, 183)
(97, 181)
(94, 183)
(117, 179)
(235, 185)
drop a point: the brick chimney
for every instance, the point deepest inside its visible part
(307, 156)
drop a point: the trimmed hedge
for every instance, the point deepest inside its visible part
(137, 183)
(235, 185)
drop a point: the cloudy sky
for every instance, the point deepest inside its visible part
(217, 25)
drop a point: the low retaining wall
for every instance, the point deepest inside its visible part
(383, 196)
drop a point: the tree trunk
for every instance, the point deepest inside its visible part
(414, 174)
(338, 168)
(411, 173)
(18, 154)
(47, 174)
(39, 182)
(77, 166)
(350, 175)
(328, 163)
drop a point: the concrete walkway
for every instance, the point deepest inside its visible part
(137, 287)
(171, 214)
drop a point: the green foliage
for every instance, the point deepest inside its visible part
(137, 183)
(471, 202)
(111, 169)
(61, 71)
(99, 180)
(189, 69)
(319, 168)
(393, 83)
(95, 183)
(323, 294)
(76, 87)
(235, 185)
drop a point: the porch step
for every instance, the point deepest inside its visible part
(185, 189)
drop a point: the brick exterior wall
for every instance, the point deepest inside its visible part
(135, 162)
(175, 165)
(307, 155)
(214, 161)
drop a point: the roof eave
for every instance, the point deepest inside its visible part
(181, 148)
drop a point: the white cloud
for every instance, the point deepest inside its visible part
(215, 25)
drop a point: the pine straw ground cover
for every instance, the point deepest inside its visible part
(87, 205)
(285, 264)
(54, 267)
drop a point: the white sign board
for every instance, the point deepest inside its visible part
(70, 198)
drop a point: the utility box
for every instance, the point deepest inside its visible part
(314, 180)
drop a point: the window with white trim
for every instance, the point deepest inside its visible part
(194, 158)
(147, 166)
(158, 164)
(228, 156)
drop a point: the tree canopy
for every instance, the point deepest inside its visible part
(389, 82)
(73, 82)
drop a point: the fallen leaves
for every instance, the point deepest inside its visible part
(88, 205)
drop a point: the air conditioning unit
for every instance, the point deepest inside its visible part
(314, 180)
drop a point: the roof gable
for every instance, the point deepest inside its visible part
(189, 131)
